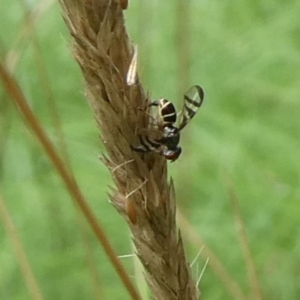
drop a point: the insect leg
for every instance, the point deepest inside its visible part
(148, 114)
(154, 103)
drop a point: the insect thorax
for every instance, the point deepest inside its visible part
(171, 136)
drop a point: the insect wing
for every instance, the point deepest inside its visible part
(148, 140)
(193, 99)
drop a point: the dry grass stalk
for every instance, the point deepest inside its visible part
(143, 195)
(19, 251)
(215, 264)
(255, 289)
(13, 90)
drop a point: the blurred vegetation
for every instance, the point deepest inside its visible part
(246, 56)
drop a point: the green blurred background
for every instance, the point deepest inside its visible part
(246, 55)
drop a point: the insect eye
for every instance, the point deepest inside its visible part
(172, 154)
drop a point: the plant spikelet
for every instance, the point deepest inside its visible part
(143, 195)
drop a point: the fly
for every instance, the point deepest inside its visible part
(169, 135)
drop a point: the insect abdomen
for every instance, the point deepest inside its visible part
(168, 112)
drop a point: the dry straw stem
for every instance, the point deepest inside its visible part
(242, 234)
(143, 195)
(19, 251)
(217, 267)
(13, 89)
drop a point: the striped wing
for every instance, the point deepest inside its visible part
(193, 99)
(148, 140)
